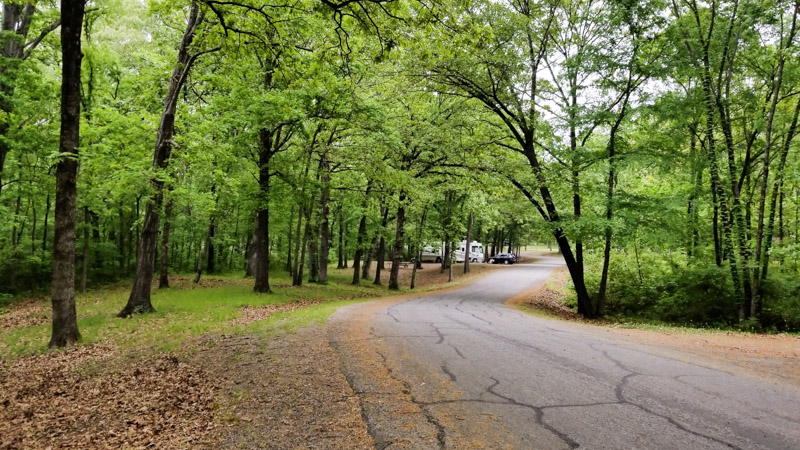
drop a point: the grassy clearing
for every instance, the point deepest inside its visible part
(186, 311)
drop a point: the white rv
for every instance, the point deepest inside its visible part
(475, 251)
(435, 252)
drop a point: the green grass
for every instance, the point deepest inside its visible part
(184, 313)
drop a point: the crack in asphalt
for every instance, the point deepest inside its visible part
(449, 373)
(441, 433)
(567, 363)
(458, 352)
(438, 332)
(619, 392)
(538, 414)
(473, 315)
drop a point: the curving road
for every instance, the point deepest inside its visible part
(459, 369)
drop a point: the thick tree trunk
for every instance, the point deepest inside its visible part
(139, 300)
(65, 320)
(261, 242)
(163, 280)
(368, 257)
(399, 241)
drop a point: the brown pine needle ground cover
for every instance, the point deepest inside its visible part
(217, 365)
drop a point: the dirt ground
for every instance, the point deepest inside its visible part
(282, 393)
(771, 356)
(89, 397)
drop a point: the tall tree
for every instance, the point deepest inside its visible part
(139, 299)
(65, 321)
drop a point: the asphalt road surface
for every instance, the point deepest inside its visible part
(459, 369)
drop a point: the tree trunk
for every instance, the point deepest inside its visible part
(13, 39)
(362, 235)
(261, 242)
(289, 239)
(163, 280)
(212, 256)
(450, 272)
(297, 243)
(298, 280)
(87, 229)
(325, 237)
(362, 231)
(381, 247)
(139, 300)
(761, 245)
(65, 320)
(414, 272)
(776, 192)
(600, 302)
(313, 249)
(373, 247)
(469, 241)
(340, 247)
(203, 253)
(397, 251)
(46, 221)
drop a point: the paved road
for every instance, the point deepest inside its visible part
(460, 369)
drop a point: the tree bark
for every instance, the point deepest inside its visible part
(381, 247)
(313, 249)
(340, 247)
(163, 280)
(298, 280)
(776, 192)
(65, 320)
(373, 247)
(761, 245)
(362, 231)
(87, 229)
(289, 239)
(139, 300)
(202, 254)
(261, 242)
(297, 243)
(15, 27)
(362, 234)
(397, 251)
(468, 254)
(325, 237)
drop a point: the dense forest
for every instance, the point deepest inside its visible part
(651, 142)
